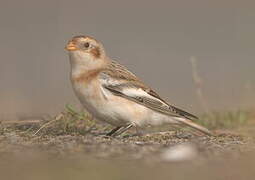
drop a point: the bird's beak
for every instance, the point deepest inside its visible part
(71, 46)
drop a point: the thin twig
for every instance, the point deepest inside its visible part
(21, 122)
(198, 83)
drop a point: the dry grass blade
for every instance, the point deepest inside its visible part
(48, 123)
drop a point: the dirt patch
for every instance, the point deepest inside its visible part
(73, 143)
(128, 146)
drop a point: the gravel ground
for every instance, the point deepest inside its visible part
(175, 154)
(150, 147)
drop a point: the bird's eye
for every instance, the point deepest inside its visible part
(86, 45)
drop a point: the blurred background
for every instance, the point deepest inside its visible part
(155, 40)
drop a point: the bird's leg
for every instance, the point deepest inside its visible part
(123, 129)
(113, 131)
(139, 131)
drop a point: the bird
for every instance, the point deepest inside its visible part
(113, 94)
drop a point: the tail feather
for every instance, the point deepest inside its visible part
(195, 126)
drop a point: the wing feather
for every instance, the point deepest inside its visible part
(150, 102)
(118, 80)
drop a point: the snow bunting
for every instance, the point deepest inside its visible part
(113, 94)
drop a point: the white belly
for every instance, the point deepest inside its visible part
(107, 107)
(116, 110)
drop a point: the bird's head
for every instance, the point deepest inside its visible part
(85, 51)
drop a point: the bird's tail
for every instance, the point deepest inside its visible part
(194, 126)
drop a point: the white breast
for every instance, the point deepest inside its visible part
(116, 110)
(105, 106)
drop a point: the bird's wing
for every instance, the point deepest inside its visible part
(121, 82)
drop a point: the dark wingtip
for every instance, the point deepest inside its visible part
(184, 113)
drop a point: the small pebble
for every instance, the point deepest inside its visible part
(180, 152)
